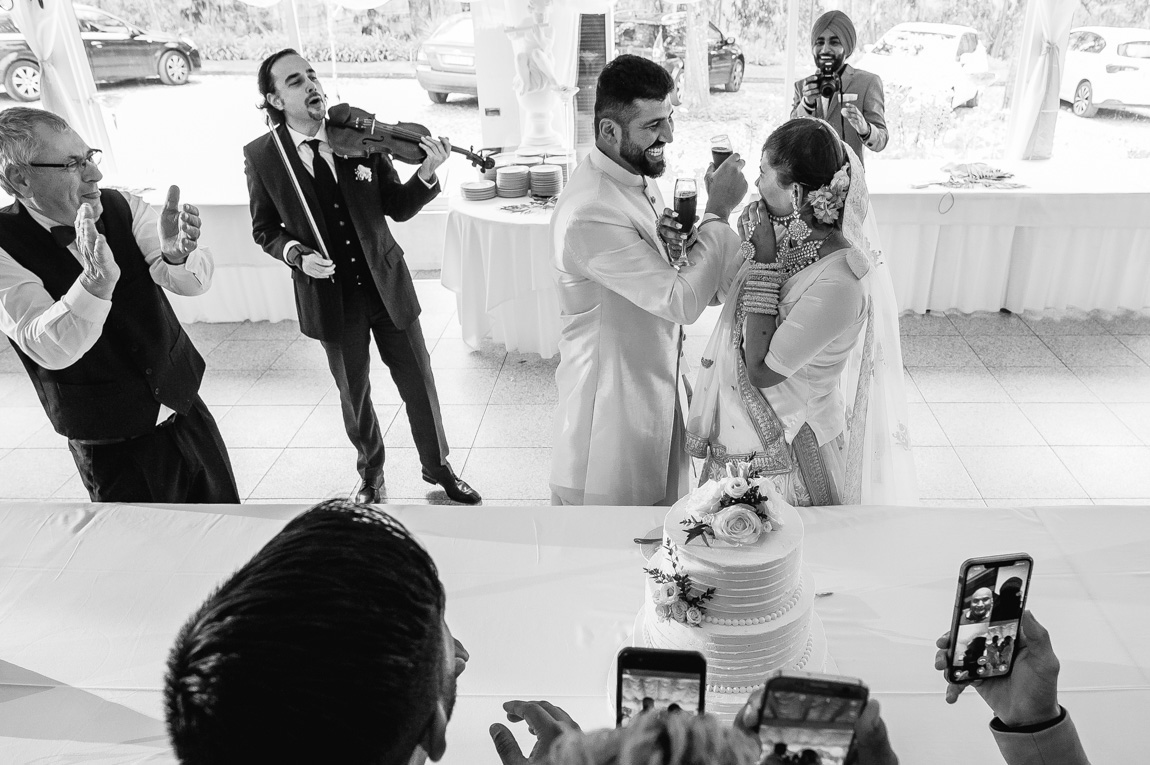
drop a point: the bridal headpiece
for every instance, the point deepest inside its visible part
(828, 199)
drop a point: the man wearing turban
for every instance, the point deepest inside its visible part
(855, 108)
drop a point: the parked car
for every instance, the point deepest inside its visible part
(117, 51)
(663, 38)
(1106, 67)
(445, 62)
(940, 57)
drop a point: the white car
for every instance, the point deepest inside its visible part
(933, 56)
(1106, 67)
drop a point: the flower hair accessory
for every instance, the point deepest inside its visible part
(828, 199)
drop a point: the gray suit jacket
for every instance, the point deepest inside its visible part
(868, 88)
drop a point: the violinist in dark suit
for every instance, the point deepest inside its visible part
(350, 278)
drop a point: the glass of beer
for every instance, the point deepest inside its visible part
(721, 148)
(686, 210)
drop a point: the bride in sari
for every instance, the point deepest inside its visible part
(802, 377)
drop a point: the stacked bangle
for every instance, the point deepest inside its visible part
(760, 296)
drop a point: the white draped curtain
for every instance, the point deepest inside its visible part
(66, 84)
(1042, 54)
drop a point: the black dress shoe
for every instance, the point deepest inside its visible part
(371, 493)
(456, 488)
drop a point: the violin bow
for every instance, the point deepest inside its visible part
(299, 191)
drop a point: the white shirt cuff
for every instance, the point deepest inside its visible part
(429, 184)
(85, 305)
(287, 250)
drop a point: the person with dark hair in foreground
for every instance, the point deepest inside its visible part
(328, 646)
(351, 281)
(83, 272)
(618, 437)
(1030, 726)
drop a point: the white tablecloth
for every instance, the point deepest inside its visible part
(92, 595)
(1076, 236)
(498, 265)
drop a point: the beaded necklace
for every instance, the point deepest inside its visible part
(797, 250)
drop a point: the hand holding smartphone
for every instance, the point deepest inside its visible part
(988, 609)
(652, 679)
(808, 717)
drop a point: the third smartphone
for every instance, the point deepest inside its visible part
(805, 712)
(987, 612)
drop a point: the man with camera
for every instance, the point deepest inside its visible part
(850, 99)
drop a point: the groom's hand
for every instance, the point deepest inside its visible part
(545, 721)
(179, 229)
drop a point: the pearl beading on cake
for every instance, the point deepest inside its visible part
(747, 690)
(777, 613)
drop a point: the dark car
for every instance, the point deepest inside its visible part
(663, 38)
(445, 63)
(117, 50)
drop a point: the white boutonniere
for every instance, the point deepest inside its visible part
(363, 173)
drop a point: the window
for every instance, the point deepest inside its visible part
(1092, 43)
(95, 21)
(714, 36)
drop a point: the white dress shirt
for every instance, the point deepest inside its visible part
(57, 333)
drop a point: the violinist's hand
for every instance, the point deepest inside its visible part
(437, 153)
(315, 265)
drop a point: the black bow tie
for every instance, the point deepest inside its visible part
(65, 235)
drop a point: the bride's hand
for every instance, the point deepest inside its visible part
(763, 237)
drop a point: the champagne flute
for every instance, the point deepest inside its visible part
(721, 148)
(686, 207)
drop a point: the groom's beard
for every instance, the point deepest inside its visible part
(636, 156)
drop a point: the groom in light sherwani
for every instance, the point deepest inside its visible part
(619, 437)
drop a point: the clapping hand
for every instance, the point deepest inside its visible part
(545, 721)
(179, 228)
(101, 272)
(1029, 694)
(437, 153)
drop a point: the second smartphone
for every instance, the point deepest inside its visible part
(654, 679)
(808, 717)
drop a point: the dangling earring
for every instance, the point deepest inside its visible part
(797, 229)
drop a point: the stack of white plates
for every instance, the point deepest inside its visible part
(565, 160)
(528, 159)
(502, 159)
(546, 180)
(511, 181)
(476, 191)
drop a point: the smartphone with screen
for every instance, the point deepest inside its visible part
(988, 608)
(806, 712)
(656, 679)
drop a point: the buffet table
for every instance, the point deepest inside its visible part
(1076, 236)
(92, 595)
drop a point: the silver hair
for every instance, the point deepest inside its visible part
(18, 140)
(658, 738)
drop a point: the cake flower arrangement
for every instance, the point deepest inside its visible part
(737, 509)
(675, 596)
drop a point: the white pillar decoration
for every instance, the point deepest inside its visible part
(540, 91)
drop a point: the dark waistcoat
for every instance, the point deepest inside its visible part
(143, 357)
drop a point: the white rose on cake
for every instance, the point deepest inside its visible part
(694, 616)
(702, 500)
(737, 525)
(735, 486)
(663, 612)
(679, 611)
(665, 594)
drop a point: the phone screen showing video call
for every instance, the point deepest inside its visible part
(802, 727)
(643, 690)
(990, 611)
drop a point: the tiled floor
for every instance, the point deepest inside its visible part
(1004, 410)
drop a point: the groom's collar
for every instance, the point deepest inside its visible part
(618, 173)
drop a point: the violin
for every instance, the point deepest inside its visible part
(354, 132)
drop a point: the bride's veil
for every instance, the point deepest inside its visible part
(880, 469)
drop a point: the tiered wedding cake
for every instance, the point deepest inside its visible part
(728, 582)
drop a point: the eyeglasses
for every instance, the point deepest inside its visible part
(93, 157)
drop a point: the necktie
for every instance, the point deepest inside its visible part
(325, 183)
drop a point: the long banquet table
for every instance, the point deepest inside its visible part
(92, 595)
(1076, 236)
